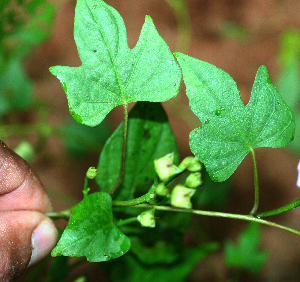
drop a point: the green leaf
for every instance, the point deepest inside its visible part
(59, 268)
(149, 136)
(111, 73)
(15, 88)
(80, 139)
(25, 25)
(231, 130)
(132, 268)
(245, 254)
(160, 252)
(214, 195)
(91, 231)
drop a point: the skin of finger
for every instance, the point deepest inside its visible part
(20, 189)
(16, 229)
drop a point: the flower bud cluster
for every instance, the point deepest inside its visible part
(181, 194)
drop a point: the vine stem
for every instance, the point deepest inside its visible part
(140, 200)
(280, 210)
(66, 214)
(123, 157)
(256, 186)
(126, 221)
(86, 188)
(221, 214)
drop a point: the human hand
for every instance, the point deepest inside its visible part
(26, 234)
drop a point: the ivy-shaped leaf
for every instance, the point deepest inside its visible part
(111, 73)
(91, 232)
(231, 130)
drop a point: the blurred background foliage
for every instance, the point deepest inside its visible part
(24, 25)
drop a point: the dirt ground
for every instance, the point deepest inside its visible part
(264, 21)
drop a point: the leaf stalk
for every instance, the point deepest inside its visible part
(124, 147)
(126, 221)
(256, 186)
(280, 210)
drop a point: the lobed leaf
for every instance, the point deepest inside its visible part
(231, 130)
(91, 232)
(111, 73)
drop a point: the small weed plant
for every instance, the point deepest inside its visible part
(136, 221)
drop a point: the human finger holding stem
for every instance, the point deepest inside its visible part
(26, 234)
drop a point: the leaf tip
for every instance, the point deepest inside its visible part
(53, 70)
(148, 19)
(55, 253)
(176, 54)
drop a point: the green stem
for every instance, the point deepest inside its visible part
(256, 187)
(221, 214)
(86, 188)
(122, 222)
(285, 208)
(149, 196)
(123, 157)
(66, 214)
(140, 200)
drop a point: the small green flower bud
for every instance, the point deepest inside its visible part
(161, 189)
(191, 164)
(185, 162)
(193, 180)
(91, 172)
(165, 168)
(181, 197)
(195, 165)
(147, 218)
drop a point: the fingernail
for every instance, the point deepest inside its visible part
(43, 240)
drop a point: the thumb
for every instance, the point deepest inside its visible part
(25, 237)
